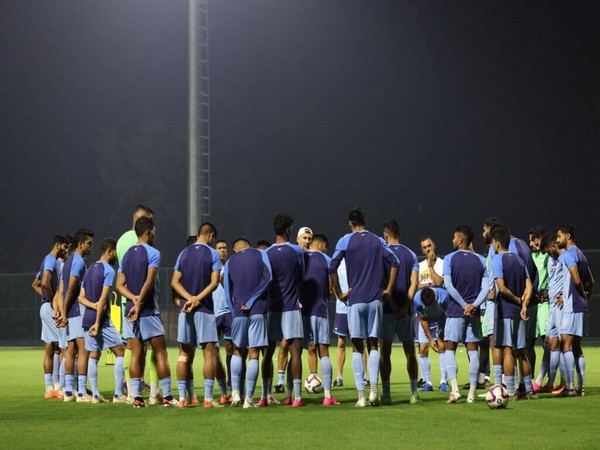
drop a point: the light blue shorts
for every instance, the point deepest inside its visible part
(108, 338)
(75, 328)
(206, 328)
(316, 329)
(489, 318)
(391, 328)
(249, 332)
(50, 331)
(436, 327)
(186, 330)
(572, 323)
(285, 325)
(509, 333)
(144, 328)
(62, 337)
(462, 329)
(364, 320)
(554, 319)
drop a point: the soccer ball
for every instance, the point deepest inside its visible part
(496, 397)
(313, 384)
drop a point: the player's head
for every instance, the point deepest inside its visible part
(463, 235)
(240, 244)
(356, 218)
(221, 248)
(319, 242)
(60, 245)
(500, 238)
(549, 245)
(263, 244)
(142, 211)
(109, 250)
(282, 225)
(427, 296)
(83, 241)
(391, 230)
(535, 238)
(191, 240)
(487, 228)
(303, 238)
(565, 234)
(207, 233)
(427, 245)
(145, 229)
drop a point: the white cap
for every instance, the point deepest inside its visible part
(303, 230)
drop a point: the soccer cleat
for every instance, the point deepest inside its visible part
(156, 400)
(120, 399)
(182, 403)
(98, 399)
(567, 393)
(224, 400)
(235, 400)
(386, 399)
(262, 403)
(279, 389)
(443, 387)
(558, 391)
(454, 397)
(169, 402)
(288, 401)
(415, 399)
(298, 403)
(361, 403)
(421, 382)
(338, 382)
(68, 398)
(427, 387)
(51, 394)
(84, 398)
(471, 398)
(530, 396)
(513, 398)
(367, 383)
(60, 396)
(272, 400)
(330, 401)
(139, 403)
(374, 399)
(194, 400)
(211, 404)
(248, 403)
(537, 388)
(580, 392)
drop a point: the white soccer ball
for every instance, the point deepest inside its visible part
(497, 397)
(313, 384)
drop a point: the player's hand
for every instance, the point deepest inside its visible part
(191, 304)
(469, 310)
(387, 294)
(431, 258)
(344, 296)
(559, 301)
(93, 331)
(434, 346)
(245, 308)
(133, 313)
(524, 314)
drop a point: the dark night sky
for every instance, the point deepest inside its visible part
(434, 113)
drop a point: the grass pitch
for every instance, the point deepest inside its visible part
(27, 420)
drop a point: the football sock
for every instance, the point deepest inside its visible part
(119, 376)
(209, 384)
(236, 370)
(93, 375)
(327, 372)
(359, 371)
(425, 368)
(251, 376)
(373, 369)
(165, 383)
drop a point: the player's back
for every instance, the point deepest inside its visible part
(315, 284)
(136, 262)
(196, 264)
(407, 263)
(466, 270)
(511, 268)
(287, 265)
(98, 275)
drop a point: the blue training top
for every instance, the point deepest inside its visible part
(98, 275)
(287, 266)
(136, 262)
(314, 293)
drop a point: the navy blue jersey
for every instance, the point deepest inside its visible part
(365, 256)
(99, 275)
(467, 271)
(520, 247)
(314, 293)
(407, 264)
(287, 266)
(74, 267)
(196, 264)
(572, 299)
(49, 264)
(246, 276)
(136, 262)
(510, 268)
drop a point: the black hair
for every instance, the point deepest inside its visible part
(263, 243)
(491, 221)
(548, 239)
(60, 240)
(145, 208)
(536, 232)
(392, 228)
(142, 225)
(80, 236)
(207, 228)
(282, 223)
(356, 216)
(320, 238)
(108, 244)
(501, 235)
(190, 240)
(567, 228)
(427, 295)
(467, 231)
(241, 239)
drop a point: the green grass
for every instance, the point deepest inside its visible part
(27, 420)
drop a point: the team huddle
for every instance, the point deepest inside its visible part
(279, 294)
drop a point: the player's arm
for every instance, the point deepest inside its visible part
(589, 285)
(86, 301)
(414, 284)
(150, 278)
(70, 297)
(267, 276)
(525, 298)
(100, 307)
(577, 281)
(121, 287)
(178, 288)
(333, 275)
(57, 303)
(46, 285)
(175, 298)
(37, 286)
(454, 294)
(425, 326)
(507, 293)
(195, 300)
(436, 279)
